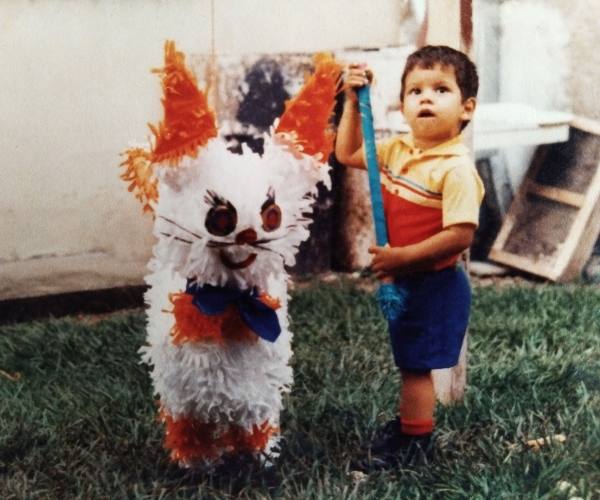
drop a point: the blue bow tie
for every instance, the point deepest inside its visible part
(256, 315)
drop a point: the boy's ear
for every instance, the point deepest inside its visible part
(469, 106)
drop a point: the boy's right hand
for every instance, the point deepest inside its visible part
(356, 75)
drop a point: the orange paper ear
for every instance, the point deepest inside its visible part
(188, 123)
(307, 115)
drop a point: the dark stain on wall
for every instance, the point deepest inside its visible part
(264, 98)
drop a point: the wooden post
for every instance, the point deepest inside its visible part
(450, 22)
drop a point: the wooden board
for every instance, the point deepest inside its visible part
(554, 220)
(498, 196)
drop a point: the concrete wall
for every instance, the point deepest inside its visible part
(76, 88)
(583, 69)
(533, 67)
(548, 58)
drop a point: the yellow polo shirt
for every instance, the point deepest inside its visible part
(425, 191)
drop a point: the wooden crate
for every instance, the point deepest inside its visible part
(554, 220)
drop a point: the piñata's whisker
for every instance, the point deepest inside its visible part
(171, 221)
(177, 238)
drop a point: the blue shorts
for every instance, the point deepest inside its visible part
(430, 333)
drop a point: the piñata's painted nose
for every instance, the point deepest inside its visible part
(246, 236)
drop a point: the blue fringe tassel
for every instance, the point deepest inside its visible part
(392, 300)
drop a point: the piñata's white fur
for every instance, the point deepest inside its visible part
(237, 383)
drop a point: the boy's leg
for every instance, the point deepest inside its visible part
(417, 402)
(406, 440)
(415, 417)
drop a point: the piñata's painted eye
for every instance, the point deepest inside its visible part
(221, 220)
(271, 216)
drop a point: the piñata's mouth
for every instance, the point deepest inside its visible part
(236, 265)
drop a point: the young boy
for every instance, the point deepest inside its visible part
(431, 194)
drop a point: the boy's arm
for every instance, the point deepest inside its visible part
(452, 240)
(348, 145)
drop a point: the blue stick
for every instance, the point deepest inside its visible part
(391, 298)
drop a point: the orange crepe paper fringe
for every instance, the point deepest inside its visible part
(190, 440)
(188, 122)
(234, 329)
(307, 115)
(139, 172)
(193, 326)
(272, 302)
(190, 324)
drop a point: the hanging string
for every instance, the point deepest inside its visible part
(212, 73)
(212, 29)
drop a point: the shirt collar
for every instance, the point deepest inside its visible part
(452, 147)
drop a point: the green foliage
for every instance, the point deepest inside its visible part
(81, 420)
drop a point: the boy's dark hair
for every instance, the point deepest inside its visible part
(430, 55)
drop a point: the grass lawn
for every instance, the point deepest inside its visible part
(80, 420)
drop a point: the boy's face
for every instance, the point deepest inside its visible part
(433, 105)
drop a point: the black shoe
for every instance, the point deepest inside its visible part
(391, 449)
(387, 440)
(416, 450)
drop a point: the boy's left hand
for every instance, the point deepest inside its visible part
(386, 262)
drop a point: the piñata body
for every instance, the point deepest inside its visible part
(227, 225)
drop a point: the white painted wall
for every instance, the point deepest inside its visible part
(76, 87)
(549, 58)
(534, 66)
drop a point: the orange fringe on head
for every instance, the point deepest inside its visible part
(139, 172)
(307, 115)
(191, 440)
(188, 122)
